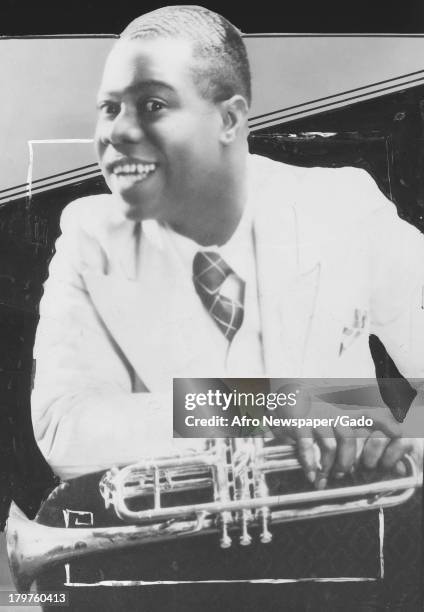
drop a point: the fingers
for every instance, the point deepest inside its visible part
(384, 422)
(307, 456)
(373, 450)
(343, 448)
(400, 468)
(328, 449)
(394, 453)
(346, 454)
(337, 454)
(380, 452)
(362, 434)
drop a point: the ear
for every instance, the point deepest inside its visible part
(234, 113)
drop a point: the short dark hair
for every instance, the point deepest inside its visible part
(221, 64)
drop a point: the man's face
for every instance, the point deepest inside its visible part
(157, 138)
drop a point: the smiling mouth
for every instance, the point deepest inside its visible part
(135, 170)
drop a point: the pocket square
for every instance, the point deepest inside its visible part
(353, 331)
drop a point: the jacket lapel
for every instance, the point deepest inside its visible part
(158, 324)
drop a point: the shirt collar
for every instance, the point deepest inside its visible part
(235, 251)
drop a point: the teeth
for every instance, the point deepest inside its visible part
(134, 168)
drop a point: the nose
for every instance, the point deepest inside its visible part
(125, 128)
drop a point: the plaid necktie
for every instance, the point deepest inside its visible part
(210, 273)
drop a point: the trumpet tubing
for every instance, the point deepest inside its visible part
(234, 475)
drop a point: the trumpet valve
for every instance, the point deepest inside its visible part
(266, 535)
(245, 538)
(225, 540)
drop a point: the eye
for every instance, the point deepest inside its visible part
(108, 108)
(152, 106)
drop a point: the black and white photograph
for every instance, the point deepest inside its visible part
(211, 308)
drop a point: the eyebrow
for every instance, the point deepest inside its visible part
(140, 86)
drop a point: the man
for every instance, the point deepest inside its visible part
(311, 261)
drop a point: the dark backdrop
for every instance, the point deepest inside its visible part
(322, 16)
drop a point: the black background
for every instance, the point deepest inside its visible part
(311, 16)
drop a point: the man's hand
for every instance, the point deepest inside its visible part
(334, 454)
(335, 450)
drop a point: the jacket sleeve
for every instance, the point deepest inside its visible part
(84, 413)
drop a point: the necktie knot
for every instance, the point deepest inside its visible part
(220, 290)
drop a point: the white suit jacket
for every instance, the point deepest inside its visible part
(334, 264)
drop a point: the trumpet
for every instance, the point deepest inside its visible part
(233, 477)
